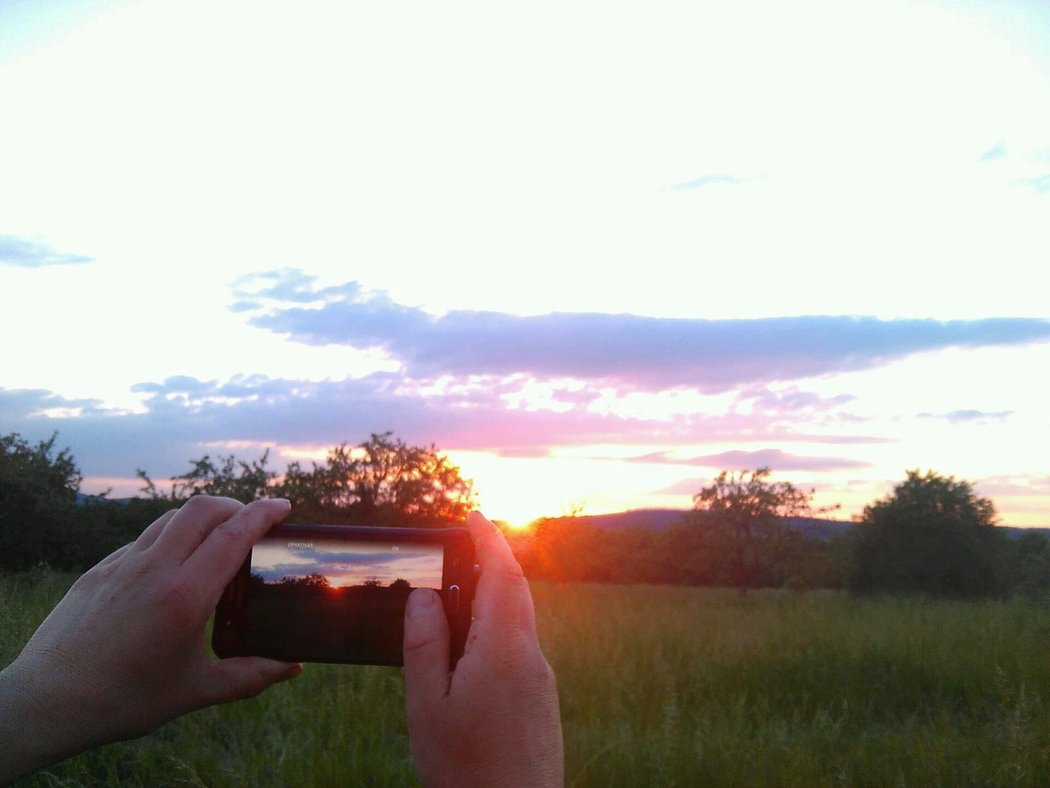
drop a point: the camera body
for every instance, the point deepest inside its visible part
(337, 593)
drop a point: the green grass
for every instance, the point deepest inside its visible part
(659, 686)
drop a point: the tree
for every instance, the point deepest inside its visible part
(1029, 559)
(740, 522)
(313, 582)
(382, 481)
(45, 520)
(932, 534)
(231, 478)
(38, 498)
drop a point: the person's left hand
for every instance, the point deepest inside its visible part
(123, 652)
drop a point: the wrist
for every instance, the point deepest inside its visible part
(26, 739)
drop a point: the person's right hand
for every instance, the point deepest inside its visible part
(494, 720)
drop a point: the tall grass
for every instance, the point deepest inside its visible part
(659, 686)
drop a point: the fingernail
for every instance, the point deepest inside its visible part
(293, 670)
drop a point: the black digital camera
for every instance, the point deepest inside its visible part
(337, 593)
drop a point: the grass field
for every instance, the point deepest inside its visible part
(659, 686)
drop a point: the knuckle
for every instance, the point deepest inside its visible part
(177, 600)
(255, 683)
(227, 534)
(207, 504)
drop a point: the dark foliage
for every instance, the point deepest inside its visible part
(41, 521)
(933, 535)
(38, 490)
(568, 549)
(742, 519)
(382, 481)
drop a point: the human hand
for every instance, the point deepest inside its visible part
(495, 720)
(123, 652)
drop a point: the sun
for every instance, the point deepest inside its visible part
(515, 526)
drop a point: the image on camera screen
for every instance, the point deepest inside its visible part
(334, 600)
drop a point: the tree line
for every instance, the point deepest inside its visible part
(933, 534)
(382, 481)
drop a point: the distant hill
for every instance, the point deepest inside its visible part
(83, 499)
(662, 519)
(646, 519)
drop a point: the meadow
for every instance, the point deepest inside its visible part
(659, 686)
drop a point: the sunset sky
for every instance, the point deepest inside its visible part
(349, 564)
(595, 252)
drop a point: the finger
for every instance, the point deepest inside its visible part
(243, 677)
(500, 598)
(219, 556)
(109, 559)
(150, 534)
(426, 651)
(191, 525)
(490, 545)
(527, 613)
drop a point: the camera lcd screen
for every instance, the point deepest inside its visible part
(333, 600)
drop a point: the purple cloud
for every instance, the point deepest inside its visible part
(183, 415)
(624, 350)
(738, 460)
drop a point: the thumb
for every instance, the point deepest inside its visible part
(425, 653)
(236, 678)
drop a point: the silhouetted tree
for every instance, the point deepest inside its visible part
(38, 496)
(312, 581)
(1029, 564)
(740, 522)
(231, 478)
(382, 481)
(932, 534)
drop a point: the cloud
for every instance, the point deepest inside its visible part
(1041, 183)
(969, 416)
(30, 254)
(774, 459)
(1029, 485)
(623, 350)
(994, 153)
(714, 179)
(183, 418)
(18, 404)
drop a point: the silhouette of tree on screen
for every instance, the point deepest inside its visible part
(311, 581)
